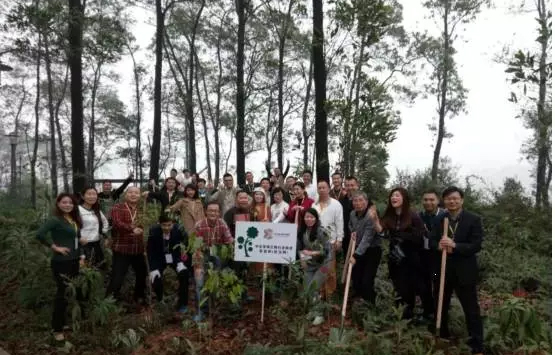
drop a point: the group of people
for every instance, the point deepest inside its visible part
(333, 219)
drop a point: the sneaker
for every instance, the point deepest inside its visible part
(318, 320)
(182, 309)
(199, 317)
(59, 336)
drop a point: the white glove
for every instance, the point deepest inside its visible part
(153, 275)
(180, 267)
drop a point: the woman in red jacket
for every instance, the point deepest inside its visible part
(299, 204)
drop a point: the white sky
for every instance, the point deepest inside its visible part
(486, 142)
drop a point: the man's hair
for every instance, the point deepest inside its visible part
(213, 203)
(350, 177)
(265, 178)
(201, 180)
(164, 218)
(290, 177)
(337, 173)
(249, 172)
(174, 169)
(106, 182)
(307, 172)
(450, 190)
(240, 192)
(323, 180)
(228, 175)
(185, 171)
(360, 194)
(431, 191)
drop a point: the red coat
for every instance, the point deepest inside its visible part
(306, 204)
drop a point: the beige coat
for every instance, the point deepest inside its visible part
(191, 212)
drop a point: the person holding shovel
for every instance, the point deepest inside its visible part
(365, 226)
(463, 242)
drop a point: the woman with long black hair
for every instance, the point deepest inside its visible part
(315, 253)
(94, 228)
(405, 231)
(61, 234)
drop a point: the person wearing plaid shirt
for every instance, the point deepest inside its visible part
(128, 246)
(214, 231)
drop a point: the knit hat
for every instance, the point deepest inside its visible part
(259, 189)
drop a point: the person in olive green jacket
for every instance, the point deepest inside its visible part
(61, 234)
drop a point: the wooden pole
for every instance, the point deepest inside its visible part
(263, 293)
(348, 257)
(348, 282)
(442, 278)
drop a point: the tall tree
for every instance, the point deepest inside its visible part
(240, 9)
(446, 85)
(321, 123)
(532, 74)
(157, 130)
(75, 35)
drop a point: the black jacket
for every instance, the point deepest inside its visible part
(157, 247)
(462, 264)
(164, 198)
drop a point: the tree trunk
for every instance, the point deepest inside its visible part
(216, 119)
(51, 120)
(240, 95)
(75, 65)
(65, 172)
(138, 149)
(306, 132)
(320, 122)
(157, 130)
(281, 54)
(192, 163)
(92, 125)
(36, 134)
(347, 127)
(443, 94)
(542, 187)
(204, 125)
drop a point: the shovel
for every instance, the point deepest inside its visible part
(339, 336)
(441, 343)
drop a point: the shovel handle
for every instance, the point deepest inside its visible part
(442, 278)
(348, 283)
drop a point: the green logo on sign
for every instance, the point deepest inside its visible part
(246, 243)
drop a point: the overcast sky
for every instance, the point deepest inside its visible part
(487, 140)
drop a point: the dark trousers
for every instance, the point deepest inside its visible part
(468, 296)
(62, 271)
(425, 291)
(406, 276)
(94, 254)
(364, 274)
(183, 292)
(120, 264)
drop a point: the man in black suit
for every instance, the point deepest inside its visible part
(163, 250)
(464, 241)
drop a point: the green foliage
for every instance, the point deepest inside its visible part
(516, 325)
(129, 340)
(223, 285)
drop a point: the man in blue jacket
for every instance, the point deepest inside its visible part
(164, 249)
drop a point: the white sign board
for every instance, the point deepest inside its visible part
(264, 242)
